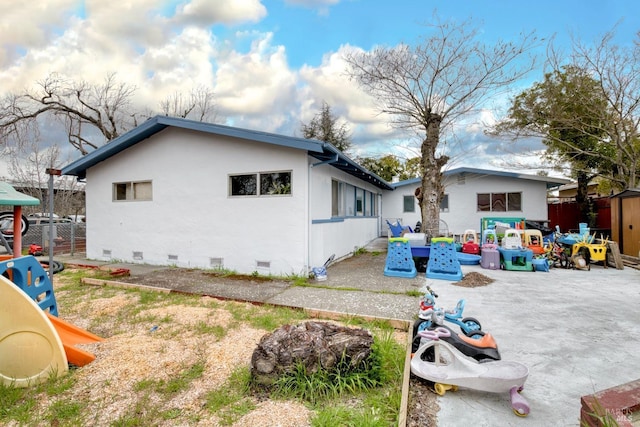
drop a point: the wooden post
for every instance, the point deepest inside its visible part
(614, 251)
(17, 231)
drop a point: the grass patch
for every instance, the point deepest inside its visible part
(232, 400)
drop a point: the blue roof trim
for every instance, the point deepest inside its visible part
(320, 150)
(550, 182)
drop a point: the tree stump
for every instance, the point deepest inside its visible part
(315, 345)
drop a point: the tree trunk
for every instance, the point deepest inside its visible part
(582, 197)
(313, 345)
(432, 189)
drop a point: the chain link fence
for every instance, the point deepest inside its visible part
(68, 238)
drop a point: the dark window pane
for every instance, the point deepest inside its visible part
(120, 191)
(514, 201)
(498, 202)
(243, 185)
(444, 204)
(484, 202)
(275, 183)
(409, 204)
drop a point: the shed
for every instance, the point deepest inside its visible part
(625, 221)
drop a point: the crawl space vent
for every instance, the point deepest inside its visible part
(263, 264)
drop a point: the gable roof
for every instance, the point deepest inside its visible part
(323, 151)
(550, 181)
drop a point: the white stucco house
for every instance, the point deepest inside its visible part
(472, 194)
(192, 194)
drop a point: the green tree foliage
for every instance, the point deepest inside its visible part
(427, 87)
(570, 114)
(587, 110)
(327, 127)
(389, 166)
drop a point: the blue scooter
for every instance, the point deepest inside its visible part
(470, 326)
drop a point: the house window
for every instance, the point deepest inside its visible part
(337, 198)
(408, 204)
(244, 185)
(499, 202)
(359, 202)
(348, 200)
(271, 184)
(444, 204)
(274, 183)
(127, 191)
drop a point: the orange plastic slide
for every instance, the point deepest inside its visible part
(71, 335)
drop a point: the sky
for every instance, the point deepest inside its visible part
(271, 63)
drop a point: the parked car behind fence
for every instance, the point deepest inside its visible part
(68, 236)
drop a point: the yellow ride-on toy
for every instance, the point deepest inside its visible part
(590, 250)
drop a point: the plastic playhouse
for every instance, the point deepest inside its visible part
(513, 256)
(35, 345)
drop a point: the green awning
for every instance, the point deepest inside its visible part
(9, 196)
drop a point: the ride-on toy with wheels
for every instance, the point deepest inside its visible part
(470, 326)
(482, 349)
(448, 368)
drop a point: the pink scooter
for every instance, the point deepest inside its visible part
(440, 362)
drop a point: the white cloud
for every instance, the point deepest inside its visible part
(207, 12)
(256, 87)
(24, 25)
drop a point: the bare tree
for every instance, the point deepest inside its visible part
(199, 105)
(429, 86)
(27, 163)
(91, 114)
(81, 107)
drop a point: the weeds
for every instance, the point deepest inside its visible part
(374, 385)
